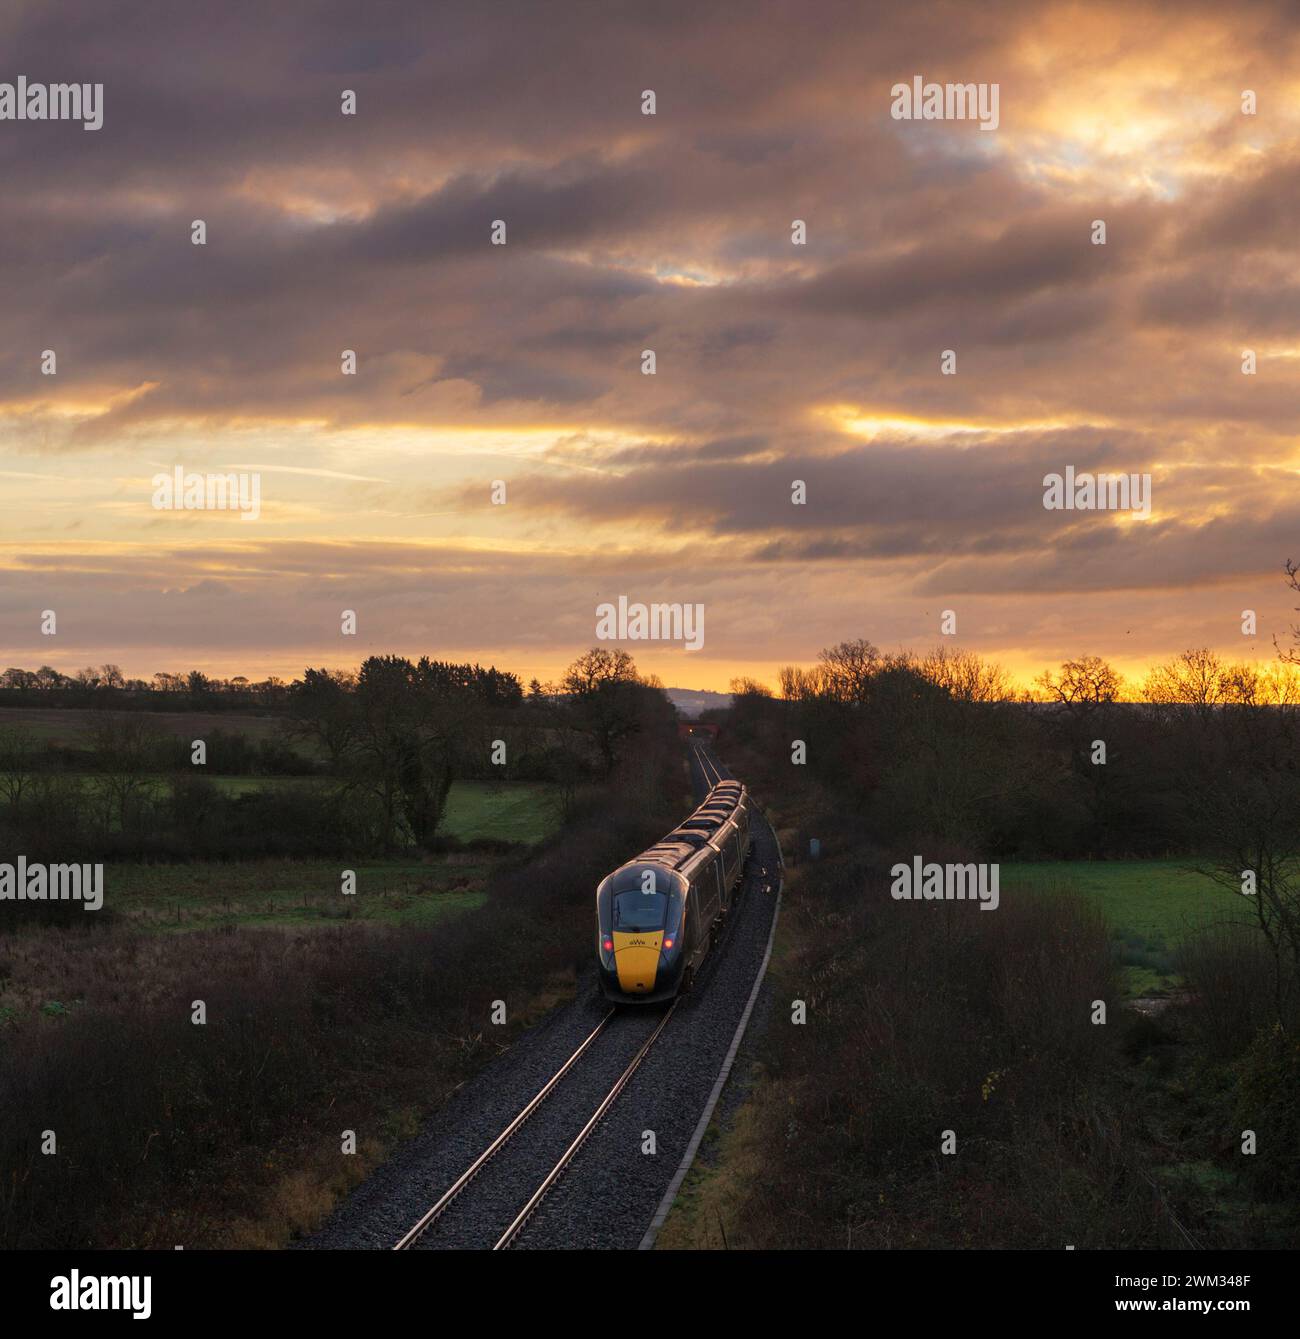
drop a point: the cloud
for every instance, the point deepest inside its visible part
(522, 362)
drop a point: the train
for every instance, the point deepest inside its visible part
(658, 915)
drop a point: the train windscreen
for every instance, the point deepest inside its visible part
(636, 912)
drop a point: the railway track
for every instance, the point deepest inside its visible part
(711, 773)
(709, 769)
(520, 1221)
(521, 1160)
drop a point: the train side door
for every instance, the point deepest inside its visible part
(693, 925)
(709, 892)
(726, 844)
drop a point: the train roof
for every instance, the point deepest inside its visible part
(686, 840)
(667, 853)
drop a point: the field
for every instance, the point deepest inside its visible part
(518, 811)
(217, 894)
(1151, 906)
(476, 810)
(208, 895)
(509, 812)
(70, 726)
(281, 892)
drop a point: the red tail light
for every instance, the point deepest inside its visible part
(607, 945)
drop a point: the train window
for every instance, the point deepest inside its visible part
(636, 911)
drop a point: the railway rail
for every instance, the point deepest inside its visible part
(709, 769)
(555, 1173)
(530, 1184)
(462, 1182)
(711, 773)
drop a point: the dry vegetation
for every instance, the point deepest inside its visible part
(924, 1018)
(229, 1133)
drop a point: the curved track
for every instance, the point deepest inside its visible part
(571, 1138)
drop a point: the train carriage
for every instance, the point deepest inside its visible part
(658, 915)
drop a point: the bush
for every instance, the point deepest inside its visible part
(1234, 987)
(926, 1017)
(1268, 1102)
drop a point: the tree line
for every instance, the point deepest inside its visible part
(364, 762)
(939, 752)
(167, 691)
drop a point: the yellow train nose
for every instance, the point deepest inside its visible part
(637, 958)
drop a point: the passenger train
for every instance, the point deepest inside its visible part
(658, 915)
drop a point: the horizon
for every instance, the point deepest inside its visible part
(1131, 686)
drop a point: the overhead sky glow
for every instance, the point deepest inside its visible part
(626, 232)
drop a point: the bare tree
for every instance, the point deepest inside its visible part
(1244, 794)
(126, 747)
(18, 757)
(1292, 655)
(849, 668)
(1081, 685)
(965, 677)
(1197, 680)
(802, 685)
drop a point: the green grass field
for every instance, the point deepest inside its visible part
(263, 893)
(476, 810)
(71, 726)
(519, 811)
(510, 812)
(1151, 906)
(212, 894)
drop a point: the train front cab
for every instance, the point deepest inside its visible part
(643, 929)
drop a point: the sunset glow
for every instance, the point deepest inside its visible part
(776, 361)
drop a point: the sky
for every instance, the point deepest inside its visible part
(480, 364)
